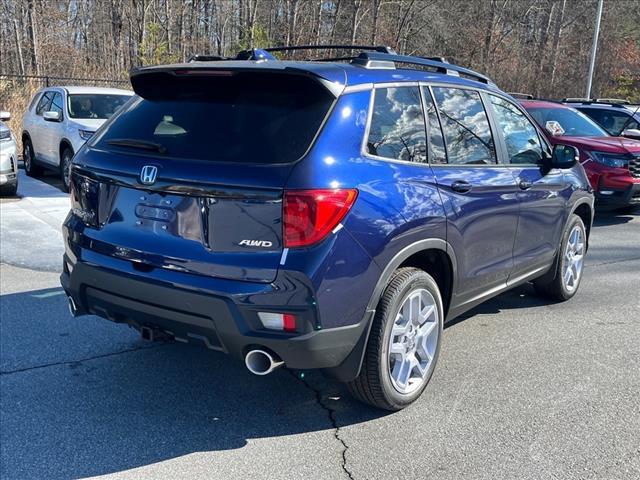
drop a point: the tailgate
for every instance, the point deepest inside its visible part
(228, 233)
(189, 175)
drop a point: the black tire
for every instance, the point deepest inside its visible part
(374, 385)
(552, 285)
(28, 157)
(65, 167)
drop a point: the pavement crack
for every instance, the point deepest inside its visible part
(332, 418)
(614, 261)
(73, 362)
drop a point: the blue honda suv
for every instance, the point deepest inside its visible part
(324, 215)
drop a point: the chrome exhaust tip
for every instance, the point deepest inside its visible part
(73, 309)
(260, 362)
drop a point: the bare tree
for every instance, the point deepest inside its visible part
(540, 46)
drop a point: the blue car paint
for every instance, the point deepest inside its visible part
(494, 236)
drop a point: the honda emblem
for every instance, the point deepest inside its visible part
(148, 174)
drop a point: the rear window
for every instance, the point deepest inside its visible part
(244, 118)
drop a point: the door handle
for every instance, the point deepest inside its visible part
(525, 184)
(461, 186)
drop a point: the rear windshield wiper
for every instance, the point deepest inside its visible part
(142, 144)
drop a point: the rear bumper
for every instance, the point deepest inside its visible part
(219, 320)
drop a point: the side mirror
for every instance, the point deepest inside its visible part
(5, 116)
(52, 116)
(564, 156)
(631, 133)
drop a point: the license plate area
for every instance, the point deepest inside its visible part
(149, 211)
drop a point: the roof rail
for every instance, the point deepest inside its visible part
(265, 53)
(371, 56)
(614, 102)
(365, 58)
(522, 96)
(375, 48)
(620, 101)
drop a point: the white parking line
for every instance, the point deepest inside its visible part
(49, 294)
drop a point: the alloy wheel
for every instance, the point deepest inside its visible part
(413, 341)
(66, 169)
(27, 157)
(573, 259)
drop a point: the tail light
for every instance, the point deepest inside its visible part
(310, 215)
(84, 195)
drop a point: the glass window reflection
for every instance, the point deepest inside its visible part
(437, 151)
(466, 127)
(397, 128)
(521, 137)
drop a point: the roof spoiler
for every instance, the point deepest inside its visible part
(157, 82)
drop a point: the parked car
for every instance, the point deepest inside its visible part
(60, 120)
(619, 119)
(297, 213)
(612, 163)
(8, 158)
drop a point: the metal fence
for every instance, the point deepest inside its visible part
(52, 80)
(16, 92)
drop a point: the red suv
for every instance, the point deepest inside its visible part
(612, 163)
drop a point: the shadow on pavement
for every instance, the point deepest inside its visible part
(40, 187)
(523, 296)
(106, 402)
(614, 217)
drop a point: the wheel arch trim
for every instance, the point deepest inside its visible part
(349, 369)
(404, 254)
(577, 204)
(65, 143)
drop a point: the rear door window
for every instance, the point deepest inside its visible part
(520, 136)
(466, 126)
(244, 118)
(397, 129)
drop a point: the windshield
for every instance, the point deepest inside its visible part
(95, 105)
(245, 119)
(574, 123)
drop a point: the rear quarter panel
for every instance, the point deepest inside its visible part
(398, 203)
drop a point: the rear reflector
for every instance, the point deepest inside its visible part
(310, 215)
(278, 321)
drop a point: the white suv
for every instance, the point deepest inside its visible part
(60, 120)
(8, 159)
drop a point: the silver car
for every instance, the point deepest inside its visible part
(58, 122)
(8, 158)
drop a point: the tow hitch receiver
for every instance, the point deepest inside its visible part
(151, 334)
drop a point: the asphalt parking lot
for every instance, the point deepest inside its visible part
(524, 388)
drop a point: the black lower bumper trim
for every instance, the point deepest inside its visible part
(619, 198)
(209, 319)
